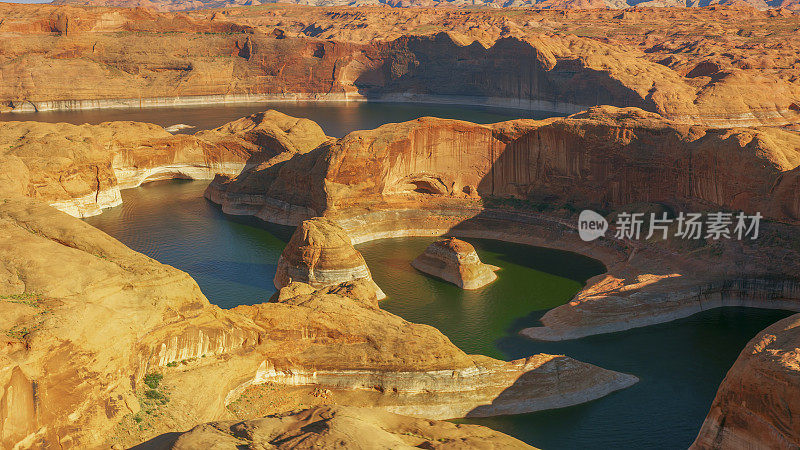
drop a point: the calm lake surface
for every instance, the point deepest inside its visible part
(337, 119)
(680, 364)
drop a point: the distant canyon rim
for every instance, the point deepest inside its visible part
(669, 120)
(718, 66)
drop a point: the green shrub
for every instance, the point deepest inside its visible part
(152, 380)
(154, 394)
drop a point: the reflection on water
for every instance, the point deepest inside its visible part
(337, 119)
(680, 364)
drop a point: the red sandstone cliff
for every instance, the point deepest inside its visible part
(80, 169)
(605, 158)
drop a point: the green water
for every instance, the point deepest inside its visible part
(531, 279)
(680, 364)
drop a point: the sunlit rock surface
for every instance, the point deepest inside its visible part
(344, 427)
(457, 262)
(321, 254)
(757, 405)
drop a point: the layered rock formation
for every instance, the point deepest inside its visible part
(321, 254)
(87, 322)
(457, 262)
(84, 318)
(604, 158)
(422, 178)
(356, 428)
(521, 59)
(80, 169)
(757, 404)
(408, 368)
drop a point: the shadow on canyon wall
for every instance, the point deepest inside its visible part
(509, 69)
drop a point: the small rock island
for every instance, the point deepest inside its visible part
(457, 262)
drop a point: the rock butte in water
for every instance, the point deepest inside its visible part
(457, 262)
(320, 254)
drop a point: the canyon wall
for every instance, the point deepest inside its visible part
(135, 58)
(80, 344)
(605, 158)
(522, 181)
(84, 318)
(431, 177)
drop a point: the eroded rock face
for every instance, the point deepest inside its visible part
(320, 253)
(346, 343)
(84, 318)
(602, 159)
(80, 169)
(421, 178)
(457, 262)
(757, 405)
(349, 427)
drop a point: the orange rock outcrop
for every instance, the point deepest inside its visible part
(757, 404)
(604, 159)
(80, 169)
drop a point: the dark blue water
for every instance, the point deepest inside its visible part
(337, 119)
